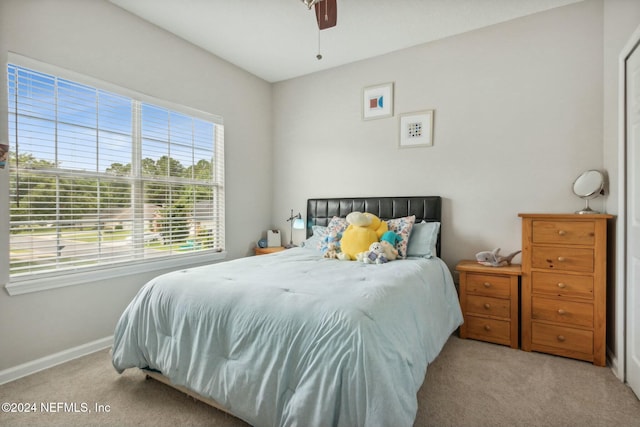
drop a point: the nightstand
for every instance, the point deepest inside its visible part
(489, 298)
(270, 250)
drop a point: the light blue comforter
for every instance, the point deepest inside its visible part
(292, 339)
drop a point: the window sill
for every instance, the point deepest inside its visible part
(73, 278)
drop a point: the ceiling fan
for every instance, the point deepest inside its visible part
(326, 12)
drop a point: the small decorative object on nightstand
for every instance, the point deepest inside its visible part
(269, 250)
(489, 302)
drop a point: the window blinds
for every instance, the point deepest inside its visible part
(97, 177)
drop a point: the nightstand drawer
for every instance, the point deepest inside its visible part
(566, 259)
(479, 304)
(562, 285)
(497, 331)
(564, 232)
(488, 284)
(562, 311)
(577, 340)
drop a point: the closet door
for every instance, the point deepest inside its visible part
(633, 218)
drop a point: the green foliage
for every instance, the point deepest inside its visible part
(174, 227)
(35, 196)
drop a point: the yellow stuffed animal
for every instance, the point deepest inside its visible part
(363, 230)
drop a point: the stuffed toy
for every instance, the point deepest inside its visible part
(331, 247)
(391, 237)
(375, 254)
(494, 259)
(363, 230)
(390, 252)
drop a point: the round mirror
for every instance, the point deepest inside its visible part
(588, 185)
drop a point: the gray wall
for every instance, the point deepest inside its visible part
(518, 115)
(521, 108)
(100, 40)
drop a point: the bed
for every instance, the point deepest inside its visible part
(295, 339)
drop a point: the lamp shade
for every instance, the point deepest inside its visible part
(298, 224)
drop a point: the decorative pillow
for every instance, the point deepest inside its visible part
(402, 227)
(313, 242)
(423, 239)
(336, 225)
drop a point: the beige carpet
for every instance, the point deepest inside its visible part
(470, 384)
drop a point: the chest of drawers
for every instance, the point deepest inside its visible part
(489, 302)
(564, 268)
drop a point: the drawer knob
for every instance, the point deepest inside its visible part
(487, 328)
(561, 338)
(487, 305)
(487, 284)
(561, 258)
(562, 232)
(562, 285)
(561, 312)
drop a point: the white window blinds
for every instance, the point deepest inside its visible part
(98, 178)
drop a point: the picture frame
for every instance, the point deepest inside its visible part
(377, 101)
(416, 129)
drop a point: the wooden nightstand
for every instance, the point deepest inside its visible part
(270, 250)
(489, 300)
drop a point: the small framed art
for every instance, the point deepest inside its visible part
(416, 129)
(377, 101)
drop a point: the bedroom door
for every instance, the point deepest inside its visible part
(632, 72)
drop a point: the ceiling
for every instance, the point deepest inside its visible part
(279, 39)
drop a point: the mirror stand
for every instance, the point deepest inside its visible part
(586, 209)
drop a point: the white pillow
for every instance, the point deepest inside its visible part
(423, 239)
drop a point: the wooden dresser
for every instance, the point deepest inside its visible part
(564, 269)
(489, 302)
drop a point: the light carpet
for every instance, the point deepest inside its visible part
(471, 383)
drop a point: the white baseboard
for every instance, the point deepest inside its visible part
(12, 374)
(613, 364)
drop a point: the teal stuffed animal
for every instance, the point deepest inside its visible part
(391, 237)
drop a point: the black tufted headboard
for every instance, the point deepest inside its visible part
(428, 208)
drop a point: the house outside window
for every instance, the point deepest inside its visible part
(104, 177)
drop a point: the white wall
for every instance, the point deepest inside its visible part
(518, 115)
(100, 40)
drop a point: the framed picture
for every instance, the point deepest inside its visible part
(377, 101)
(416, 129)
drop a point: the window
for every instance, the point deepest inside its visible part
(100, 178)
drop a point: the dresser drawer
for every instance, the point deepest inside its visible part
(479, 304)
(563, 232)
(567, 259)
(562, 285)
(564, 338)
(562, 311)
(488, 284)
(488, 329)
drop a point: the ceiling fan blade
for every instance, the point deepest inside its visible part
(326, 13)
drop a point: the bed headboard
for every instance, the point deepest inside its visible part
(427, 208)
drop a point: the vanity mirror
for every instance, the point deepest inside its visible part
(589, 185)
